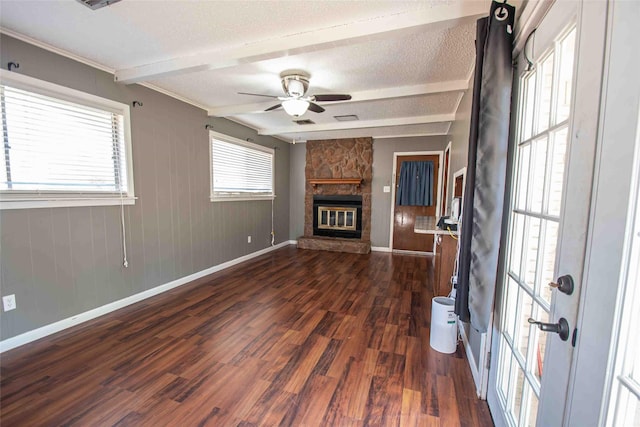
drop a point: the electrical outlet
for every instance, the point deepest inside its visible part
(386, 188)
(248, 239)
(9, 302)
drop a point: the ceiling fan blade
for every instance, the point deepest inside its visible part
(257, 94)
(332, 97)
(315, 108)
(275, 107)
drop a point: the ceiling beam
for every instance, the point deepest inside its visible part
(361, 124)
(365, 95)
(441, 16)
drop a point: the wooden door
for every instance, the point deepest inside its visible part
(404, 217)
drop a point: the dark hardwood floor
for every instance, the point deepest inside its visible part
(293, 338)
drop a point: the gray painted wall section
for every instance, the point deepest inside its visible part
(459, 137)
(383, 150)
(298, 153)
(63, 261)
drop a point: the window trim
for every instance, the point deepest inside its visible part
(16, 199)
(245, 196)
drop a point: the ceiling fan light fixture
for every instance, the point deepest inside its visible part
(296, 88)
(295, 107)
(294, 84)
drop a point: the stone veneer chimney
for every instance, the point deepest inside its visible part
(338, 159)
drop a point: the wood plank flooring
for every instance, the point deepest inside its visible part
(292, 338)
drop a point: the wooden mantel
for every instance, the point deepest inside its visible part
(335, 181)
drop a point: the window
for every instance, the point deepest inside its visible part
(62, 147)
(240, 170)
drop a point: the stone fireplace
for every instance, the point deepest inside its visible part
(338, 177)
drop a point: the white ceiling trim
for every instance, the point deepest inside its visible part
(361, 96)
(93, 64)
(448, 128)
(253, 128)
(458, 102)
(174, 95)
(411, 135)
(442, 16)
(398, 121)
(56, 50)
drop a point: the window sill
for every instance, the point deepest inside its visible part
(63, 202)
(241, 198)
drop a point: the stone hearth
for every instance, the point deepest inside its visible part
(350, 158)
(334, 244)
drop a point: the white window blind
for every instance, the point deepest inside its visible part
(54, 145)
(239, 169)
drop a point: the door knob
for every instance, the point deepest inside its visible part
(564, 284)
(561, 328)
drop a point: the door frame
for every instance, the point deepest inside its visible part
(479, 366)
(460, 172)
(617, 166)
(397, 154)
(592, 42)
(449, 177)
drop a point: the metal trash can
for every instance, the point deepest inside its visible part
(444, 325)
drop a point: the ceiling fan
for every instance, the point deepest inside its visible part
(295, 85)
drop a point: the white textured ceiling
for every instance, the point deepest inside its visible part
(406, 63)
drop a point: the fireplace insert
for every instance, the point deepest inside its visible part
(337, 216)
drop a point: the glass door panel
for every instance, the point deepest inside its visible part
(538, 179)
(625, 400)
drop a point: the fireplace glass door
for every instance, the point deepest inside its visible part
(337, 218)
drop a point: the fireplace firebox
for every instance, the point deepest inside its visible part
(337, 216)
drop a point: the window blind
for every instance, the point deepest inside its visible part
(240, 170)
(53, 145)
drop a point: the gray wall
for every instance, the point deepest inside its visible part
(459, 137)
(298, 153)
(63, 261)
(383, 150)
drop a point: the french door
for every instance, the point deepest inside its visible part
(605, 388)
(553, 148)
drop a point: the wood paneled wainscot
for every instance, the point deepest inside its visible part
(445, 246)
(445, 257)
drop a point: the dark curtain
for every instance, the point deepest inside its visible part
(486, 169)
(416, 184)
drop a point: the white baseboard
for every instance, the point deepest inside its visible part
(380, 249)
(52, 328)
(472, 360)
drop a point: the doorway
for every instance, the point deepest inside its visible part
(404, 214)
